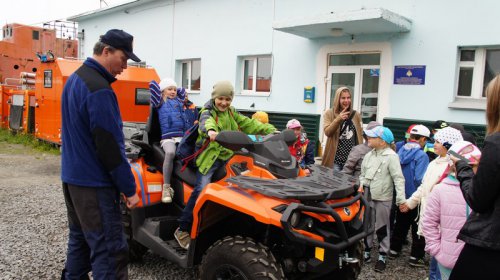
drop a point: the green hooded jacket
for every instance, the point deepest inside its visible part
(213, 119)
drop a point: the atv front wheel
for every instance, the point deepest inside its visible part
(348, 271)
(239, 258)
(135, 250)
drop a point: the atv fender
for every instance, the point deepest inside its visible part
(232, 197)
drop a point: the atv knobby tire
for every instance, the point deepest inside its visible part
(135, 250)
(239, 258)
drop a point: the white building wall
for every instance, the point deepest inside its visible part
(220, 31)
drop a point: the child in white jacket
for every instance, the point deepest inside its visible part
(446, 212)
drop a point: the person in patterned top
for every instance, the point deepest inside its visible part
(343, 128)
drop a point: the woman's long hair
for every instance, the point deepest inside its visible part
(493, 106)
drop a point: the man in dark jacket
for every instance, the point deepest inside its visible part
(414, 162)
(94, 168)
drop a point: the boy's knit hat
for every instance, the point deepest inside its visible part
(381, 132)
(448, 136)
(167, 82)
(223, 88)
(261, 116)
(467, 150)
(181, 93)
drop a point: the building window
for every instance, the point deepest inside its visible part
(142, 96)
(36, 35)
(477, 67)
(191, 75)
(47, 78)
(256, 74)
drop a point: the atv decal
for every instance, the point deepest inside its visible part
(137, 169)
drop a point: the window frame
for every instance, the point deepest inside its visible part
(478, 67)
(47, 78)
(189, 62)
(140, 101)
(254, 91)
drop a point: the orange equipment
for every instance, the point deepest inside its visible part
(131, 88)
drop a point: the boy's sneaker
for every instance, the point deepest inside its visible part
(367, 257)
(380, 265)
(182, 238)
(167, 194)
(416, 262)
(393, 254)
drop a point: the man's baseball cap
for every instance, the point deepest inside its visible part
(120, 40)
(439, 124)
(420, 130)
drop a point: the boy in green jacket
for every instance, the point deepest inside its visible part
(217, 115)
(380, 171)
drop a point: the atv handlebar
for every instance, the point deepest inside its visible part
(339, 224)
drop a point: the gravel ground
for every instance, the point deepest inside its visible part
(33, 225)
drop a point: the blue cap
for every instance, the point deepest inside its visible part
(121, 40)
(381, 132)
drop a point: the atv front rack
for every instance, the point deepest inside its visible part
(313, 191)
(329, 209)
(323, 184)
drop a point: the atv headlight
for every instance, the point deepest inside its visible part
(295, 219)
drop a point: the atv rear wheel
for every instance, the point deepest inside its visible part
(239, 258)
(135, 250)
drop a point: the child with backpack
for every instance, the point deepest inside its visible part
(169, 102)
(446, 213)
(380, 171)
(215, 116)
(414, 163)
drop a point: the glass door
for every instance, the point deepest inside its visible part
(344, 78)
(369, 94)
(363, 84)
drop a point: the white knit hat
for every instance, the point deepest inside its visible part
(448, 135)
(167, 82)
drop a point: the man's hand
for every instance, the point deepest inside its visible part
(212, 134)
(403, 207)
(132, 201)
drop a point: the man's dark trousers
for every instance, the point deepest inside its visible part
(96, 239)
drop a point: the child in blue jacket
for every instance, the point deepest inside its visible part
(414, 162)
(174, 121)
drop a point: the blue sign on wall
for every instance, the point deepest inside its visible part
(409, 75)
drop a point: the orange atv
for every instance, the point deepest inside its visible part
(260, 218)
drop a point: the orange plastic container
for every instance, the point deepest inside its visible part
(131, 88)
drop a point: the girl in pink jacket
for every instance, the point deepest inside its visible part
(446, 212)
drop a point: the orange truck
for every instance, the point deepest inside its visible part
(131, 88)
(15, 112)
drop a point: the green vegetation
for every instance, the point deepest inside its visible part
(28, 140)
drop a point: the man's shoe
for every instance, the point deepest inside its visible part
(183, 238)
(393, 254)
(380, 265)
(167, 194)
(416, 262)
(367, 257)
